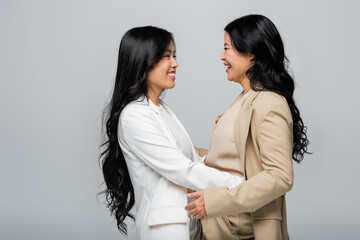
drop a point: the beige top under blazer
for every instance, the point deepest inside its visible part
(263, 134)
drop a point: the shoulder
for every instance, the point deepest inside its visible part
(267, 99)
(136, 111)
(270, 102)
(137, 105)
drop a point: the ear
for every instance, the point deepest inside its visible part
(252, 57)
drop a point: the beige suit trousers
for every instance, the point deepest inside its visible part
(238, 226)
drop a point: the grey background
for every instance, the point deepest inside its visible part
(57, 67)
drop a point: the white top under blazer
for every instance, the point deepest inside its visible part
(159, 170)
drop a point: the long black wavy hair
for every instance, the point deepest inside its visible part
(256, 34)
(140, 49)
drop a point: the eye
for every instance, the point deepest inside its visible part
(167, 56)
(175, 56)
(225, 48)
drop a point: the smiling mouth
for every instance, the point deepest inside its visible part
(227, 67)
(172, 75)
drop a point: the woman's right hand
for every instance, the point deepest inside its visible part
(190, 190)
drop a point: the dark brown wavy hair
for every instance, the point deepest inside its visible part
(256, 34)
(140, 49)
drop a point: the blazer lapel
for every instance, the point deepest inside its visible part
(162, 122)
(242, 126)
(194, 155)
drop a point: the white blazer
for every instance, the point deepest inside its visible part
(159, 171)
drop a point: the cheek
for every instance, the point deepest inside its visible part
(164, 70)
(227, 56)
(232, 60)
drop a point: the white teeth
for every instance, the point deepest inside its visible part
(171, 74)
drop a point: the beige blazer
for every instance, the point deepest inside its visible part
(264, 137)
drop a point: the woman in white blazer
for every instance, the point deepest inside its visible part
(149, 160)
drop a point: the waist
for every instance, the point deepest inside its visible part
(229, 165)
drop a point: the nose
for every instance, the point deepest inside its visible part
(222, 56)
(174, 63)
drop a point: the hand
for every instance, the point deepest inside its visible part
(197, 207)
(190, 190)
(196, 149)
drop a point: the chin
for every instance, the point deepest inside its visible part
(170, 86)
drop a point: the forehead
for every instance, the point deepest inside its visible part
(227, 39)
(171, 47)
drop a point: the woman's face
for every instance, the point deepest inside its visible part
(236, 63)
(163, 74)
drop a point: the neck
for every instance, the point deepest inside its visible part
(154, 97)
(245, 83)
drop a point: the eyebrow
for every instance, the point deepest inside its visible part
(227, 44)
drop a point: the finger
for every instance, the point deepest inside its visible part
(190, 206)
(190, 190)
(194, 195)
(198, 216)
(193, 212)
(196, 149)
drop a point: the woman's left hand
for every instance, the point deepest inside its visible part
(196, 149)
(197, 207)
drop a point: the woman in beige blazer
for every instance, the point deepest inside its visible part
(257, 138)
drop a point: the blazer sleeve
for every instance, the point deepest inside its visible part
(144, 138)
(274, 136)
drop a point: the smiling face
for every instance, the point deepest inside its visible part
(236, 63)
(162, 75)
